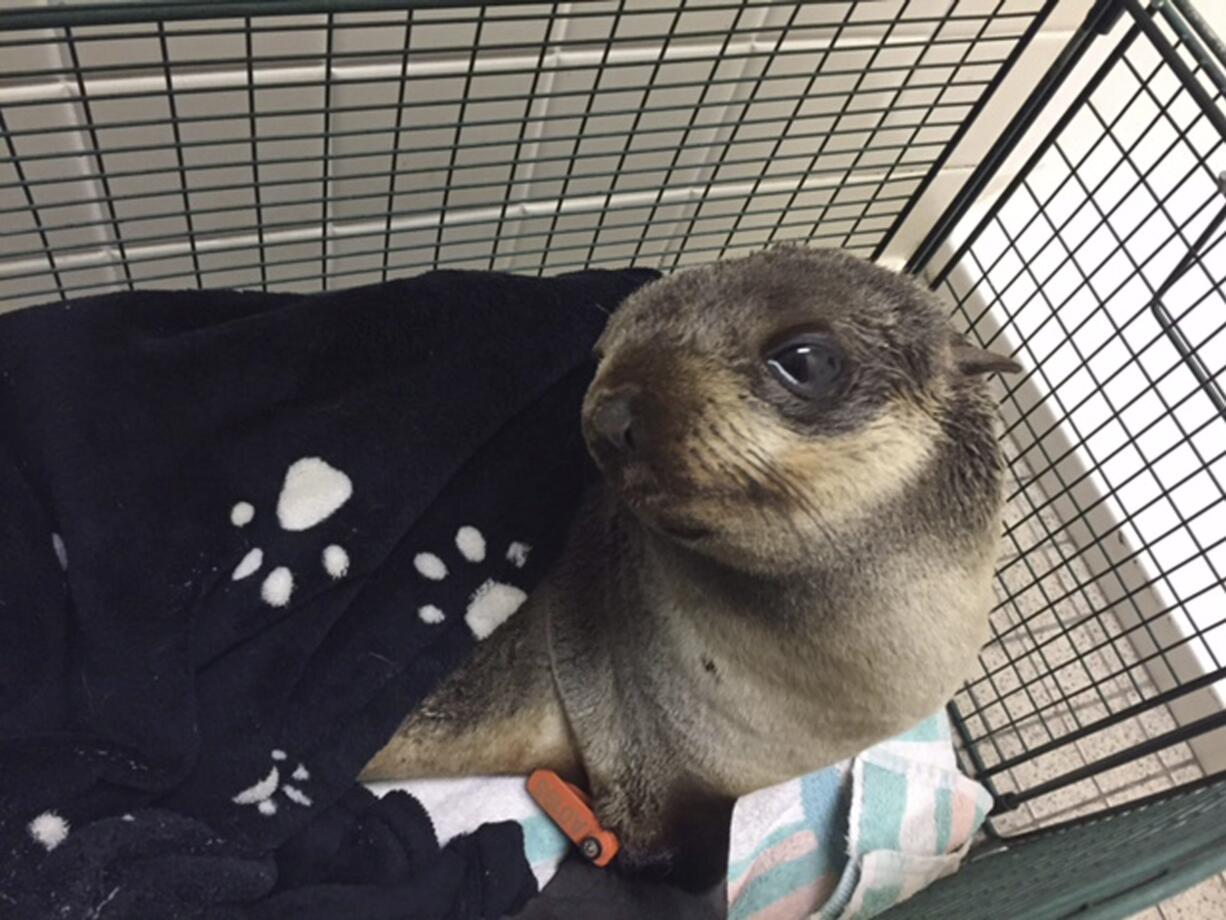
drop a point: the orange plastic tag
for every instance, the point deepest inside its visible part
(571, 811)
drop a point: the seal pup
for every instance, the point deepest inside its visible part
(788, 559)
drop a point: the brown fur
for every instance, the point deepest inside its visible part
(767, 586)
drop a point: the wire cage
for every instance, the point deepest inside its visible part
(299, 152)
(1102, 267)
(1055, 170)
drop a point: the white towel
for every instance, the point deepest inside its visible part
(458, 806)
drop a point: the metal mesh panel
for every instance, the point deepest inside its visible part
(1101, 269)
(309, 151)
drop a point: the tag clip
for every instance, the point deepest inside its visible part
(571, 810)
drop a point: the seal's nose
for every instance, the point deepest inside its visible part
(613, 419)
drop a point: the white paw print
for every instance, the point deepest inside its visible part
(312, 492)
(493, 603)
(261, 794)
(48, 829)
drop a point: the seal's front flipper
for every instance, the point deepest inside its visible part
(498, 714)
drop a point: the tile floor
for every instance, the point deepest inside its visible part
(1207, 901)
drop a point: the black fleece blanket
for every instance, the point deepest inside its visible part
(240, 536)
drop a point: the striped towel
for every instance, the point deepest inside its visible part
(846, 842)
(854, 839)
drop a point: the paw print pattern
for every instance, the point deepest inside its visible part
(493, 603)
(261, 794)
(312, 492)
(48, 829)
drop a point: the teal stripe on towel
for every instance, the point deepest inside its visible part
(878, 900)
(935, 728)
(741, 866)
(543, 842)
(885, 798)
(826, 797)
(943, 811)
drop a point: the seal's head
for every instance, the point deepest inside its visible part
(752, 409)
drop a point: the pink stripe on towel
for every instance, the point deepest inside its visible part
(797, 845)
(962, 821)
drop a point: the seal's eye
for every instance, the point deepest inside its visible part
(809, 366)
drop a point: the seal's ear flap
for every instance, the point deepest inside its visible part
(973, 361)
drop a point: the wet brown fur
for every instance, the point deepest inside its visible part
(831, 589)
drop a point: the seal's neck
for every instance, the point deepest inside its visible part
(685, 579)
